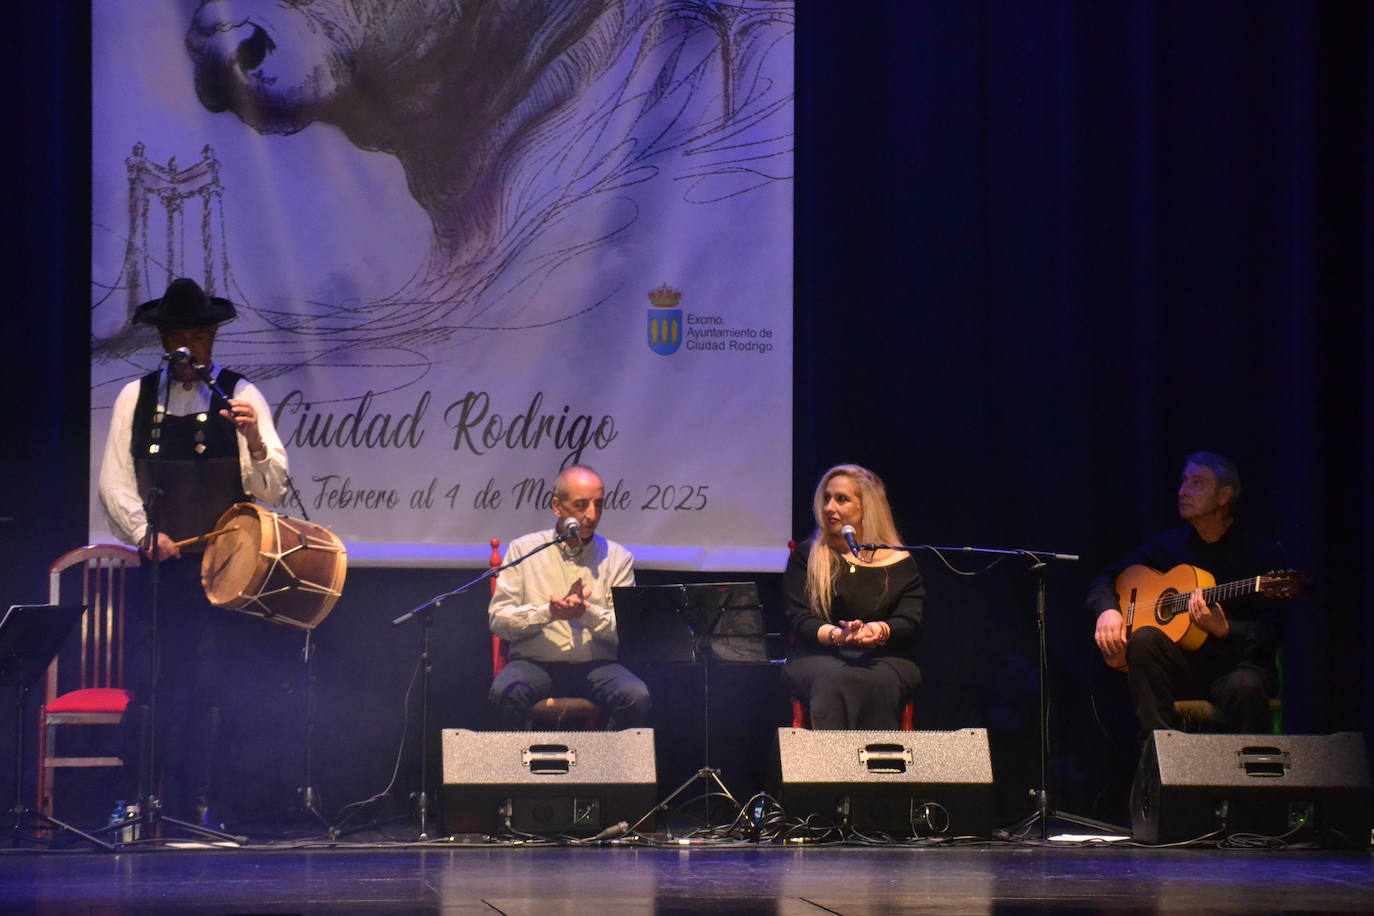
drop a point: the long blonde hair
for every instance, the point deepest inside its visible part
(878, 527)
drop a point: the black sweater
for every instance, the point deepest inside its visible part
(894, 594)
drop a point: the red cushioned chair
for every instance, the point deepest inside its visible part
(99, 697)
(801, 712)
(550, 713)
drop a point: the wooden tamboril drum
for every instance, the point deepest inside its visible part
(282, 569)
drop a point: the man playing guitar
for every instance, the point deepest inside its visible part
(1234, 664)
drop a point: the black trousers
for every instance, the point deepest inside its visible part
(1159, 672)
(852, 690)
(524, 682)
(201, 648)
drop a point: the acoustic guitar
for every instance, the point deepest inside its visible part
(1150, 598)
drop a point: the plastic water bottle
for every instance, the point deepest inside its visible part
(117, 817)
(131, 831)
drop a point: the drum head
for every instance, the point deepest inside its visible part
(231, 561)
(285, 570)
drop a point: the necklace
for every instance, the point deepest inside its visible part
(853, 566)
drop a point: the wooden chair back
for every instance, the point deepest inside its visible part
(95, 693)
(104, 570)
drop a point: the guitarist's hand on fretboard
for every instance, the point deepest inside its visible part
(1110, 637)
(1184, 604)
(1210, 618)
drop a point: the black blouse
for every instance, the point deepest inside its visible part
(894, 594)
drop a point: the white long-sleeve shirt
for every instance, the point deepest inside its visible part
(519, 609)
(263, 480)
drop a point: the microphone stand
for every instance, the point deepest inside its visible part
(1044, 812)
(425, 613)
(151, 805)
(1038, 556)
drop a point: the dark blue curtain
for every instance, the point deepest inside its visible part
(1047, 249)
(1044, 250)
(46, 343)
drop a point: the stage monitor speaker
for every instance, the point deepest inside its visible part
(546, 783)
(920, 783)
(1304, 788)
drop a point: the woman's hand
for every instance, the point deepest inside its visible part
(838, 635)
(865, 635)
(874, 634)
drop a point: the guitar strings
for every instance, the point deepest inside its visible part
(1178, 602)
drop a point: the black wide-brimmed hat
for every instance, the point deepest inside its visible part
(184, 305)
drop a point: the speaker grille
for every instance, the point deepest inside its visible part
(1304, 788)
(546, 782)
(900, 783)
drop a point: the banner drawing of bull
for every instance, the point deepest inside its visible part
(536, 136)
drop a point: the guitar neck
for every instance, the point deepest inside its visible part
(1235, 589)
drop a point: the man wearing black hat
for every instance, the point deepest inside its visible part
(205, 453)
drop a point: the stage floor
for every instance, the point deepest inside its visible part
(611, 881)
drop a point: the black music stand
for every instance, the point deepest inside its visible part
(701, 623)
(30, 636)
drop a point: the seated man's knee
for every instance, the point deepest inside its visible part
(1147, 636)
(509, 705)
(1245, 701)
(496, 696)
(1146, 642)
(629, 694)
(1247, 685)
(637, 698)
(628, 701)
(510, 696)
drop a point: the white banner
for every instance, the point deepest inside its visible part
(469, 244)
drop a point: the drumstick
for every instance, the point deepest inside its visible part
(202, 538)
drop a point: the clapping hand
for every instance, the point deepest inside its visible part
(572, 605)
(864, 635)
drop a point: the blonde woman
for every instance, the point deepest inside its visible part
(854, 618)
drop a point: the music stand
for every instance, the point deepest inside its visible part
(700, 623)
(30, 636)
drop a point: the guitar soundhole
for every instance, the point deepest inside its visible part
(1164, 607)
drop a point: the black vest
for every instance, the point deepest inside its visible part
(199, 461)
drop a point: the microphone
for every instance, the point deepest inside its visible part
(571, 530)
(848, 532)
(180, 355)
(202, 372)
